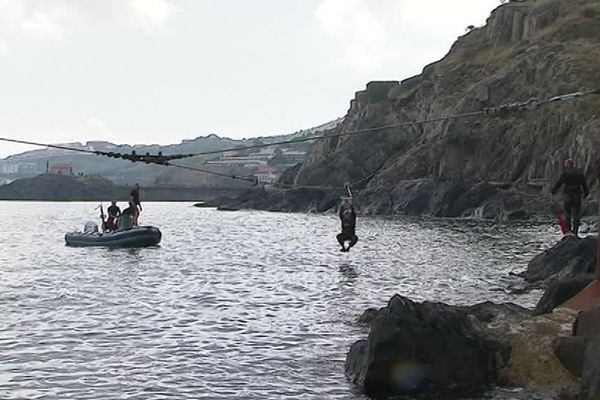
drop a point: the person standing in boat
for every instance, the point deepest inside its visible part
(348, 218)
(113, 213)
(574, 186)
(134, 203)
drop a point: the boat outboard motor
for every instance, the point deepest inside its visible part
(90, 227)
(125, 221)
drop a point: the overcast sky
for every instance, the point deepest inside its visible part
(159, 71)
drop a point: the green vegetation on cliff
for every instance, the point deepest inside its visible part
(532, 49)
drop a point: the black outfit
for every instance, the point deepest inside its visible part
(574, 185)
(134, 204)
(114, 211)
(348, 218)
(135, 196)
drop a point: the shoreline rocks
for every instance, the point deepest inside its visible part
(562, 270)
(442, 350)
(435, 349)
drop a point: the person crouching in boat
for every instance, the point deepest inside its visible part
(348, 218)
(125, 220)
(113, 213)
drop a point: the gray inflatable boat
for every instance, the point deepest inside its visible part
(137, 236)
(125, 235)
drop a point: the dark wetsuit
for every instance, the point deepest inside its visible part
(113, 213)
(134, 204)
(135, 197)
(348, 218)
(574, 185)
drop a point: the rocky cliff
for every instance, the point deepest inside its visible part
(485, 166)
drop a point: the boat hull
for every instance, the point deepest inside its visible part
(140, 236)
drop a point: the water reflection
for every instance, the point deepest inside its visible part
(349, 275)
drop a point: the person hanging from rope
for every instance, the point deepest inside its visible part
(134, 203)
(113, 213)
(574, 186)
(347, 216)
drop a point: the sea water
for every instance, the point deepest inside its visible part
(230, 305)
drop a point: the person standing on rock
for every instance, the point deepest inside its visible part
(348, 217)
(574, 186)
(134, 203)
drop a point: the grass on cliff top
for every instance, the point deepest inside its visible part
(577, 22)
(592, 11)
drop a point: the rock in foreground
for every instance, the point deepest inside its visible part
(442, 350)
(563, 270)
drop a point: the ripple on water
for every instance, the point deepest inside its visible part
(246, 305)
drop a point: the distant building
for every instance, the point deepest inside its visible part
(61, 169)
(242, 161)
(266, 175)
(28, 168)
(293, 157)
(10, 168)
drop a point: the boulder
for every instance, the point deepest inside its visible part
(569, 258)
(571, 351)
(423, 348)
(436, 349)
(590, 380)
(559, 292)
(580, 353)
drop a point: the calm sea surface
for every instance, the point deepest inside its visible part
(231, 305)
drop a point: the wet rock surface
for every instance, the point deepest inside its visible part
(434, 349)
(562, 270)
(569, 258)
(423, 348)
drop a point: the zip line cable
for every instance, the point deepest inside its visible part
(52, 146)
(232, 176)
(165, 160)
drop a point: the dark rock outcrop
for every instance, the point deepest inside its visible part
(426, 347)
(569, 258)
(563, 270)
(560, 291)
(590, 379)
(580, 353)
(434, 349)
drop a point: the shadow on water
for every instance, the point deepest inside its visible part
(349, 275)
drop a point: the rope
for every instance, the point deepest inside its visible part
(189, 168)
(532, 103)
(52, 146)
(161, 159)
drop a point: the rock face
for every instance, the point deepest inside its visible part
(569, 258)
(428, 347)
(563, 270)
(580, 353)
(441, 350)
(497, 166)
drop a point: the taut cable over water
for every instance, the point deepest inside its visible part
(165, 160)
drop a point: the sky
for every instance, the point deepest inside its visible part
(160, 71)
